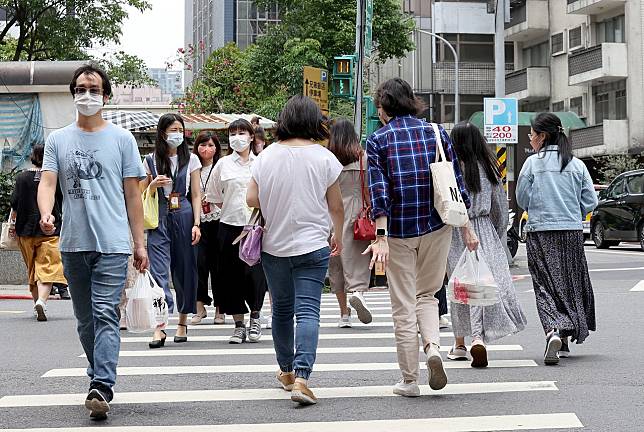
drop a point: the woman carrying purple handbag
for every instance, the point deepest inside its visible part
(250, 240)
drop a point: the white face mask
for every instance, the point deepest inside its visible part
(239, 143)
(88, 104)
(175, 139)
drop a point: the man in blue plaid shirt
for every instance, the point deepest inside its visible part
(411, 237)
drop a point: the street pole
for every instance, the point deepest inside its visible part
(499, 48)
(360, 28)
(457, 96)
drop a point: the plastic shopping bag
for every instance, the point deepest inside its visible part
(472, 282)
(150, 209)
(146, 306)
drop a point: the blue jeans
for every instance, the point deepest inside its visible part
(295, 284)
(96, 281)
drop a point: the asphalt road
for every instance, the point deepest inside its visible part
(600, 388)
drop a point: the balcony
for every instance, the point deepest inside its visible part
(599, 64)
(611, 137)
(474, 78)
(528, 84)
(528, 20)
(594, 7)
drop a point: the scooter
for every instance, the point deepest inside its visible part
(513, 236)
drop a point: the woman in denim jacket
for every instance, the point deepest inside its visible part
(557, 191)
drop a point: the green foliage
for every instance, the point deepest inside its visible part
(7, 182)
(64, 29)
(127, 70)
(611, 166)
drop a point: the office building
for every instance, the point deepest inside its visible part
(170, 82)
(583, 56)
(210, 24)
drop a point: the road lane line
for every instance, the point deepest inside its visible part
(335, 316)
(269, 394)
(269, 368)
(11, 312)
(322, 325)
(268, 337)
(271, 351)
(444, 424)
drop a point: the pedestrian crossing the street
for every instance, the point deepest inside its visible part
(355, 367)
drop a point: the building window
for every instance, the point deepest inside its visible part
(557, 43)
(558, 106)
(601, 107)
(537, 56)
(577, 105)
(620, 105)
(612, 30)
(574, 38)
(474, 48)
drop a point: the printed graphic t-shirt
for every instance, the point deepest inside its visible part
(91, 167)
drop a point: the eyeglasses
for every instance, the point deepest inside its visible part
(94, 91)
(530, 136)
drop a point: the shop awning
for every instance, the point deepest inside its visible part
(132, 120)
(221, 121)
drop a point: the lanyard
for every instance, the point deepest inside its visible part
(203, 185)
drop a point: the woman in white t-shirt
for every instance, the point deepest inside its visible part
(172, 172)
(296, 182)
(242, 287)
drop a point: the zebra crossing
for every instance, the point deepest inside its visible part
(355, 366)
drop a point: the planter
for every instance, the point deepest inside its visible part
(12, 268)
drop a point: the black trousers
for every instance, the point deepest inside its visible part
(207, 263)
(239, 284)
(442, 298)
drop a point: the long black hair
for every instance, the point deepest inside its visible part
(550, 124)
(161, 148)
(472, 150)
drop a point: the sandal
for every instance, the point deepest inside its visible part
(196, 318)
(181, 339)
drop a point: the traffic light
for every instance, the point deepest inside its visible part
(373, 121)
(342, 85)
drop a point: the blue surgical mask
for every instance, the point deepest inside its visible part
(175, 139)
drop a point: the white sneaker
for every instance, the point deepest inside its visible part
(406, 389)
(437, 375)
(358, 302)
(443, 323)
(458, 353)
(255, 330)
(345, 322)
(40, 309)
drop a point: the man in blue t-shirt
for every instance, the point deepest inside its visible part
(98, 166)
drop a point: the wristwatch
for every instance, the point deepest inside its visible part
(380, 232)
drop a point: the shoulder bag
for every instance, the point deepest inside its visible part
(364, 228)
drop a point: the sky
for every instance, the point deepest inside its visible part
(154, 35)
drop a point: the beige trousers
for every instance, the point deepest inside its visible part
(416, 271)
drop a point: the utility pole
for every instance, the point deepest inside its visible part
(360, 39)
(501, 12)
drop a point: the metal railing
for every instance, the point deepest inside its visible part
(474, 78)
(516, 81)
(585, 60)
(587, 137)
(518, 15)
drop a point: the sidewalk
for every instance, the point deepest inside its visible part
(14, 292)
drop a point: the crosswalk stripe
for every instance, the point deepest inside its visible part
(444, 424)
(251, 368)
(324, 309)
(322, 325)
(335, 316)
(639, 286)
(268, 394)
(268, 337)
(271, 351)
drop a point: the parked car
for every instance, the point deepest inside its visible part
(586, 222)
(619, 216)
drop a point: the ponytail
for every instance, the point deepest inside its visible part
(550, 124)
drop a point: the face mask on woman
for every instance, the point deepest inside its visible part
(207, 152)
(175, 139)
(239, 143)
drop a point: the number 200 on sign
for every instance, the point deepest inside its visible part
(500, 132)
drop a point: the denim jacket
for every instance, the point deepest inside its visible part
(555, 200)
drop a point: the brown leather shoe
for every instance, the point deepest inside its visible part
(286, 379)
(302, 394)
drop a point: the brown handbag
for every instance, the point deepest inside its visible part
(364, 228)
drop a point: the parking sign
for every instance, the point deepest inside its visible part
(501, 120)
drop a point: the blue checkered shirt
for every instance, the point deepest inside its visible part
(400, 180)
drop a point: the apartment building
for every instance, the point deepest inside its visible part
(210, 24)
(583, 56)
(430, 68)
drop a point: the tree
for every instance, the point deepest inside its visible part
(611, 166)
(127, 70)
(333, 24)
(63, 29)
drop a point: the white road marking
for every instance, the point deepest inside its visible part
(271, 351)
(604, 270)
(11, 312)
(269, 368)
(614, 252)
(268, 337)
(269, 394)
(639, 286)
(322, 325)
(444, 424)
(335, 316)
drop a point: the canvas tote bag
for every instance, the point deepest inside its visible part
(447, 195)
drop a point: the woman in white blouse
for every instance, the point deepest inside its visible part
(240, 284)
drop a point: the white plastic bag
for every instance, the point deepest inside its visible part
(472, 282)
(146, 306)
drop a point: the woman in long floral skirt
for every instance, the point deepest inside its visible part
(557, 191)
